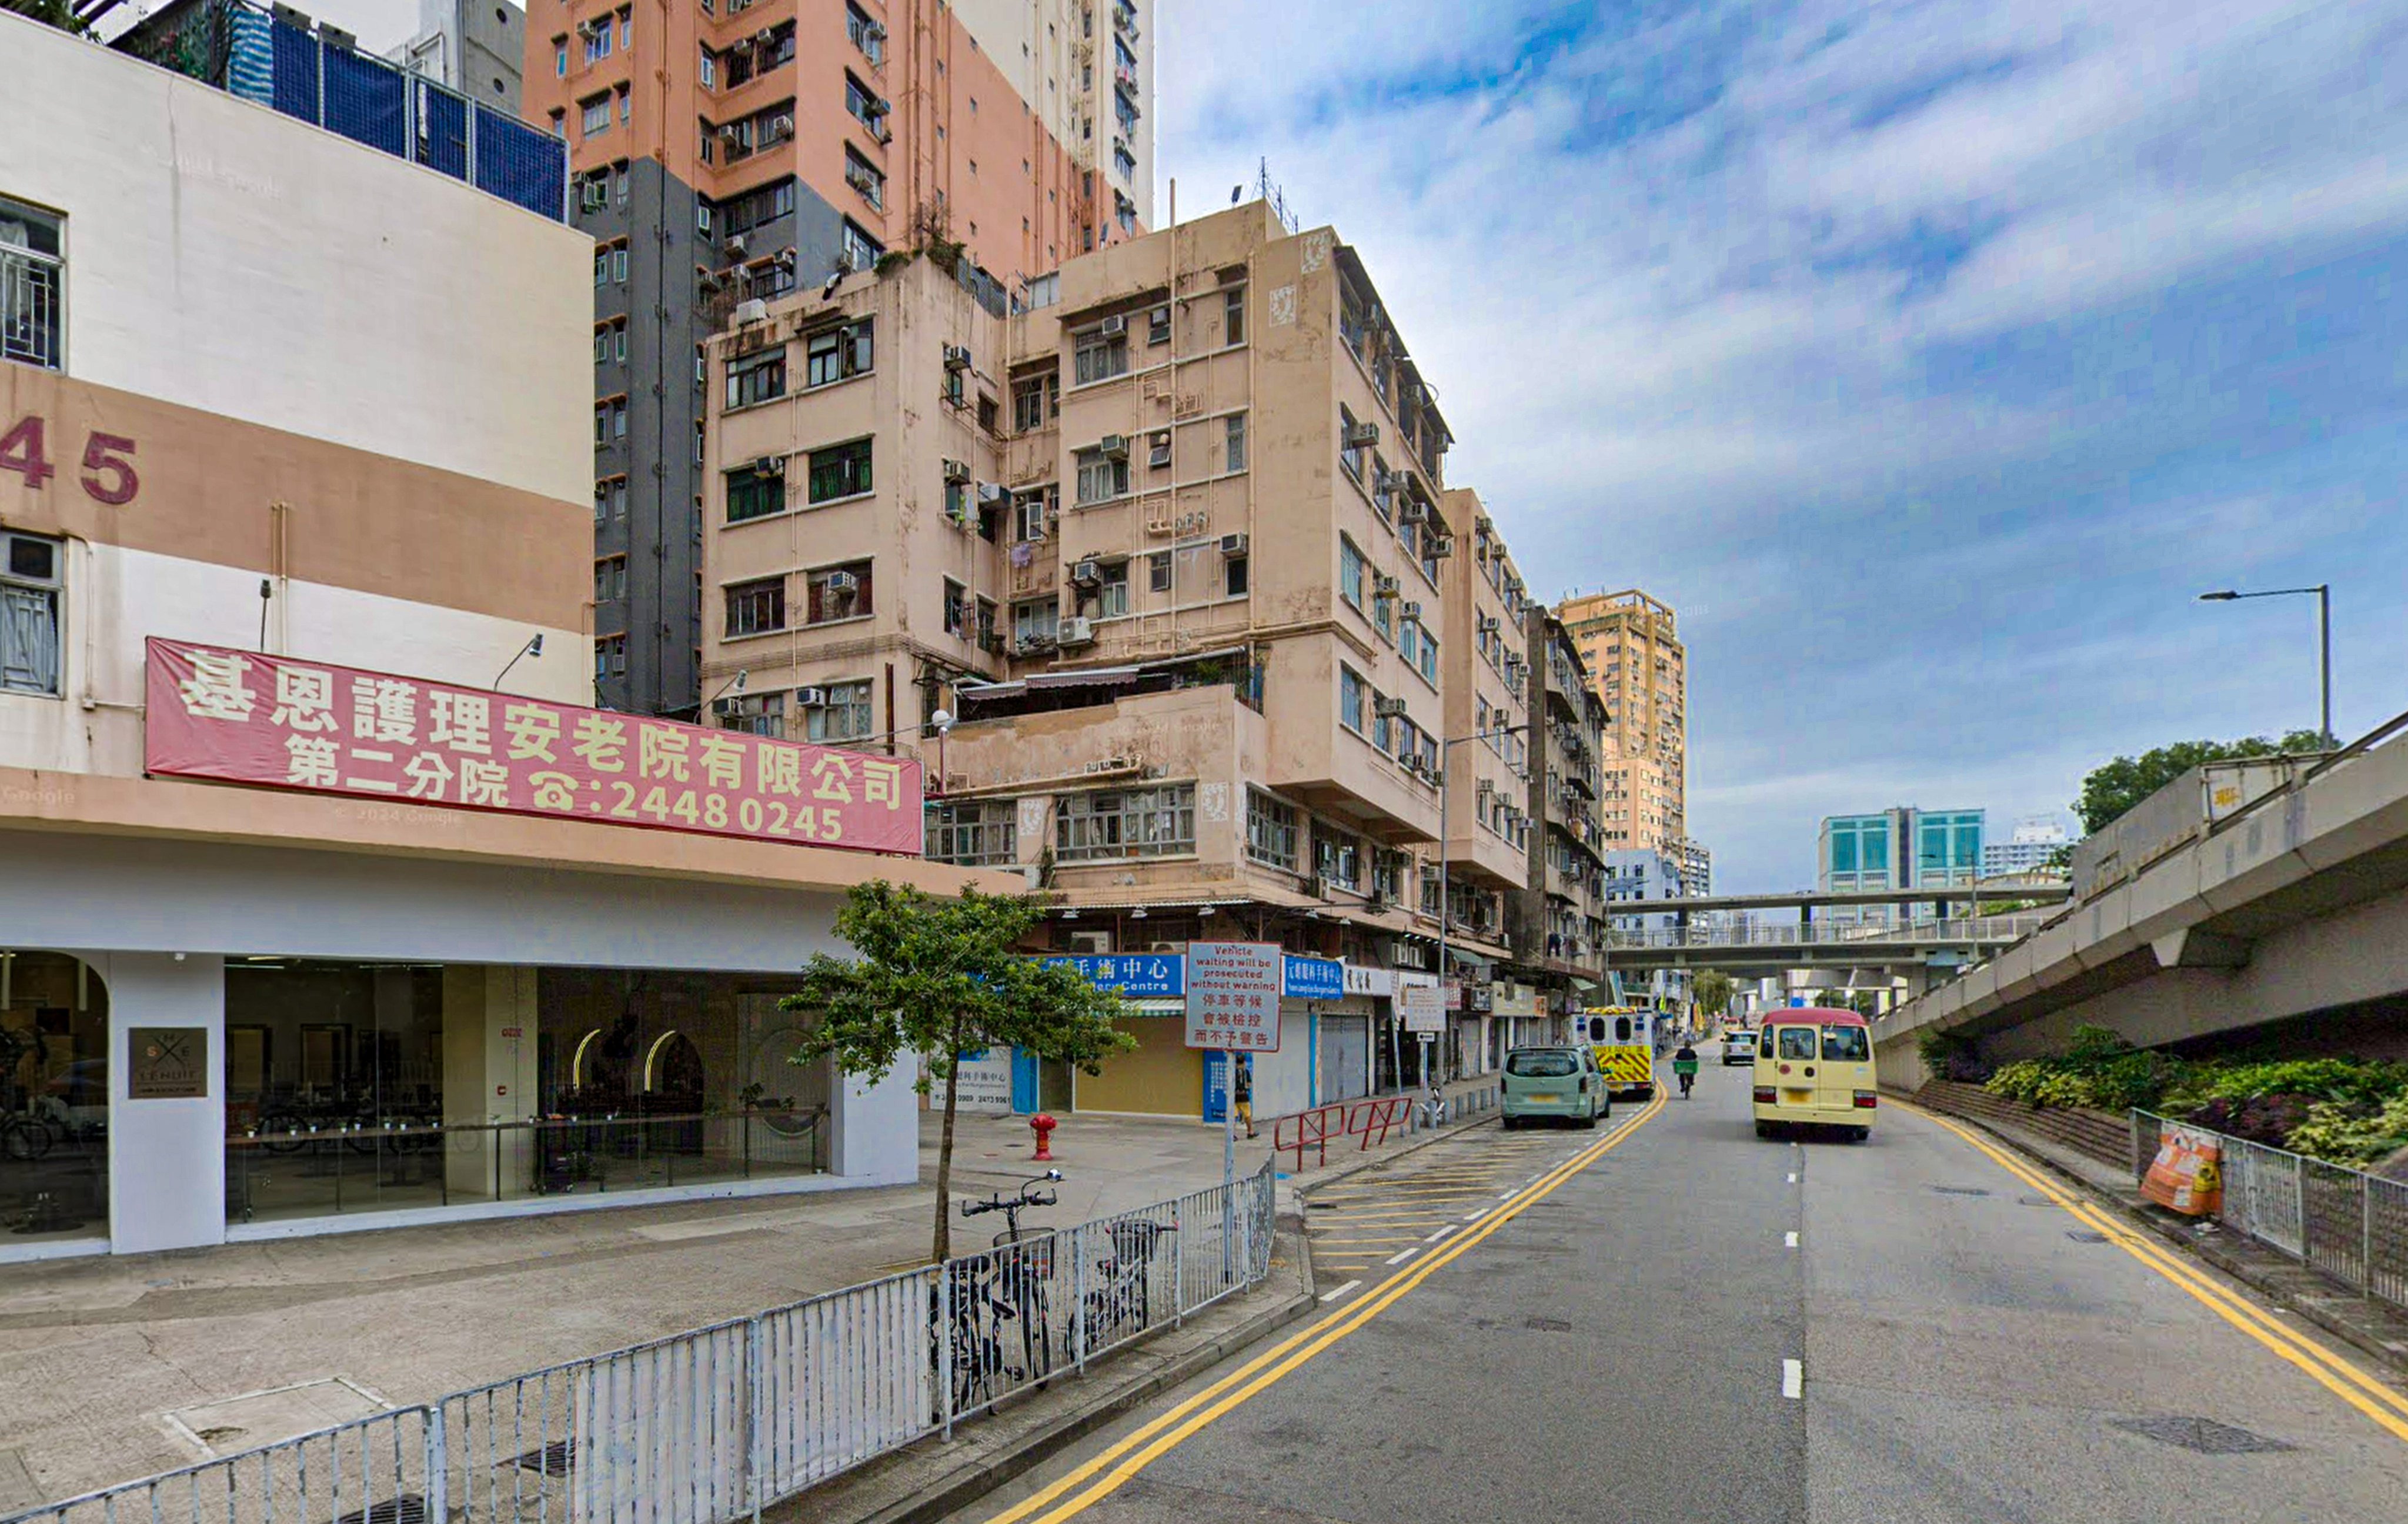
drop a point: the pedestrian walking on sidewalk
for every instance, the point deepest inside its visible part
(1241, 1090)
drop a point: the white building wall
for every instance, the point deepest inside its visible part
(167, 1176)
(116, 596)
(226, 257)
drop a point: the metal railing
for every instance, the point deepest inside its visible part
(1986, 929)
(2351, 1225)
(713, 1425)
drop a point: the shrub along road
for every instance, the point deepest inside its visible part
(1685, 1322)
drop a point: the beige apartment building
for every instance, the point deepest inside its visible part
(1172, 555)
(1632, 646)
(1558, 918)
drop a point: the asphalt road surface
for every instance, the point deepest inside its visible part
(1678, 1321)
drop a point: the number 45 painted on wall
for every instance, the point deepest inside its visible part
(108, 475)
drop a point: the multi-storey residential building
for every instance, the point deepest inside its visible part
(1631, 646)
(1087, 69)
(1696, 865)
(335, 550)
(730, 153)
(1557, 923)
(1170, 549)
(2034, 846)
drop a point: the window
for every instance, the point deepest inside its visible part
(1036, 620)
(595, 114)
(623, 181)
(610, 579)
(1233, 448)
(1795, 1041)
(1350, 699)
(865, 34)
(860, 251)
(761, 204)
(1123, 161)
(1337, 856)
(1030, 513)
(1233, 316)
(844, 715)
(754, 713)
(862, 102)
(1430, 658)
(708, 71)
(609, 420)
(834, 355)
(597, 41)
(1846, 1045)
(1113, 596)
(841, 470)
(755, 495)
(560, 58)
(1271, 831)
(1383, 727)
(1157, 449)
(1349, 455)
(756, 608)
(980, 834)
(1157, 572)
(610, 498)
(609, 656)
(1097, 355)
(837, 592)
(1157, 326)
(1036, 401)
(865, 179)
(1233, 575)
(627, 105)
(1409, 642)
(757, 377)
(31, 580)
(957, 609)
(1125, 823)
(1101, 477)
(1351, 572)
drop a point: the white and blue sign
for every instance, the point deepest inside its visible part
(1138, 976)
(1313, 978)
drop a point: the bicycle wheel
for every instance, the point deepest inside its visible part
(24, 1139)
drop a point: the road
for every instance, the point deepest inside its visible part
(1683, 1322)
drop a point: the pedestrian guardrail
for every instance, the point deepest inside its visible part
(2351, 1225)
(714, 1424)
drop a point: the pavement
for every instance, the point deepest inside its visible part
(115, 1368)
(1680, 1321)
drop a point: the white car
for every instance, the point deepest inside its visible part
(1739, 1048)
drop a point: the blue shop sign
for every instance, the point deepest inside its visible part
(1313, 978)
(1136, 975)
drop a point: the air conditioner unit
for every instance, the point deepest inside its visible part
(1313, 887)
(1412, 510)
(732, 133)
(1086, 574)
(1362, 435)
(727, 708)
(957, 358)
(957, 470)
(1113, 325)
(735, 246)
(1412, 610)
(875, 32)
(1488, 622)
(766, 37)
(770, 466)
(781, 128)
(1078, 631)
(1158, 450)
(1383, 586)
(810, 698)
(1387, 481)
(1114, 447)
(1440, 547)
(1388, 707)
(1233, 544)
(1091, 943)
(844, 584)
(752, 309)
(593, 196)
(884, 134)
(875, 108)
(992, 492)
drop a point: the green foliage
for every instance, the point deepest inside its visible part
(2357, 1136)
(2352, 1082)
(2115, 787)
(1952, 1056)
(941, 978)
(1713, 988)
(58, 13)
(2098, 1069)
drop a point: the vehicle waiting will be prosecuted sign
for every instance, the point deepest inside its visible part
(1233, 995)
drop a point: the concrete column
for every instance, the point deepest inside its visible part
(875, 1136)
(166, 1159)
(489, 1076)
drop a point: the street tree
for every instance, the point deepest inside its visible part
(1714, 991)
(58, 13)
(2115, 787)
(941, 978)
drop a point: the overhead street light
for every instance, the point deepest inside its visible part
(2323, 594)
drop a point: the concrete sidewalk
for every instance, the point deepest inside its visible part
(102, 1361)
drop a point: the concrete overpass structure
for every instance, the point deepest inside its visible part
(2233, 897)
(1701, 937)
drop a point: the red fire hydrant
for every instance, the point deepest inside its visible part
(1044, 1127)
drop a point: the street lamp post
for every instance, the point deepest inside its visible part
(2323, 591)
(1445, 776)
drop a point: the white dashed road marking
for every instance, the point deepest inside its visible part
(1340, 1290)
(1400, 1259)
(1793, 1379)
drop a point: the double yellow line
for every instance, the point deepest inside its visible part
(2358, 1388)
(1106, 1472)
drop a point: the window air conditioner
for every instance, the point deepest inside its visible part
(1113, 327)
(1383, 586)
(1440, 547)
(992, 492)
(1388, 707)
(781, 128)
(593, 196)
(844, 584)
(1233, 544)
(1086, 574)
(1362, 435)
(957, 358)
(1412, 610)
(1412, 510)
(1114, 446)
(770, 466)
(735, 246)
(752, 309)
(1079, 631)
(1388, 481)
(957, 470)
(810, 698)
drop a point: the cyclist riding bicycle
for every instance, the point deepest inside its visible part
(1684, 1067)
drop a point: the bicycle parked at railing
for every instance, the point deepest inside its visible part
(1005, 1285)
(1120, 1305)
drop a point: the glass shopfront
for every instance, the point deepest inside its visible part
(53, 1098)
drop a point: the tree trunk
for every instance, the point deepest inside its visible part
(944, 1243)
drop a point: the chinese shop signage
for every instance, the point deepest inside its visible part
(247, 717)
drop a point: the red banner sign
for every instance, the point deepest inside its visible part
(246, 717)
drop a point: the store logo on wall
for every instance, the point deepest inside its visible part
(169, 1063)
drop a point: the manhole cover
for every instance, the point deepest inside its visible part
(1961, 1190)
(2084, 1235)
(550, 1459)
(1548, 1325)
(410, 1508)
(2204, 1435)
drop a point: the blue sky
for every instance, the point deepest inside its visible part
(1929, 357)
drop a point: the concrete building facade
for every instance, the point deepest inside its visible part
(1086, 67)
(319, 1002)
(1631, 647)
(739, 152)
(1558, 926)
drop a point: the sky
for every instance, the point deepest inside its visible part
(1929, 358)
